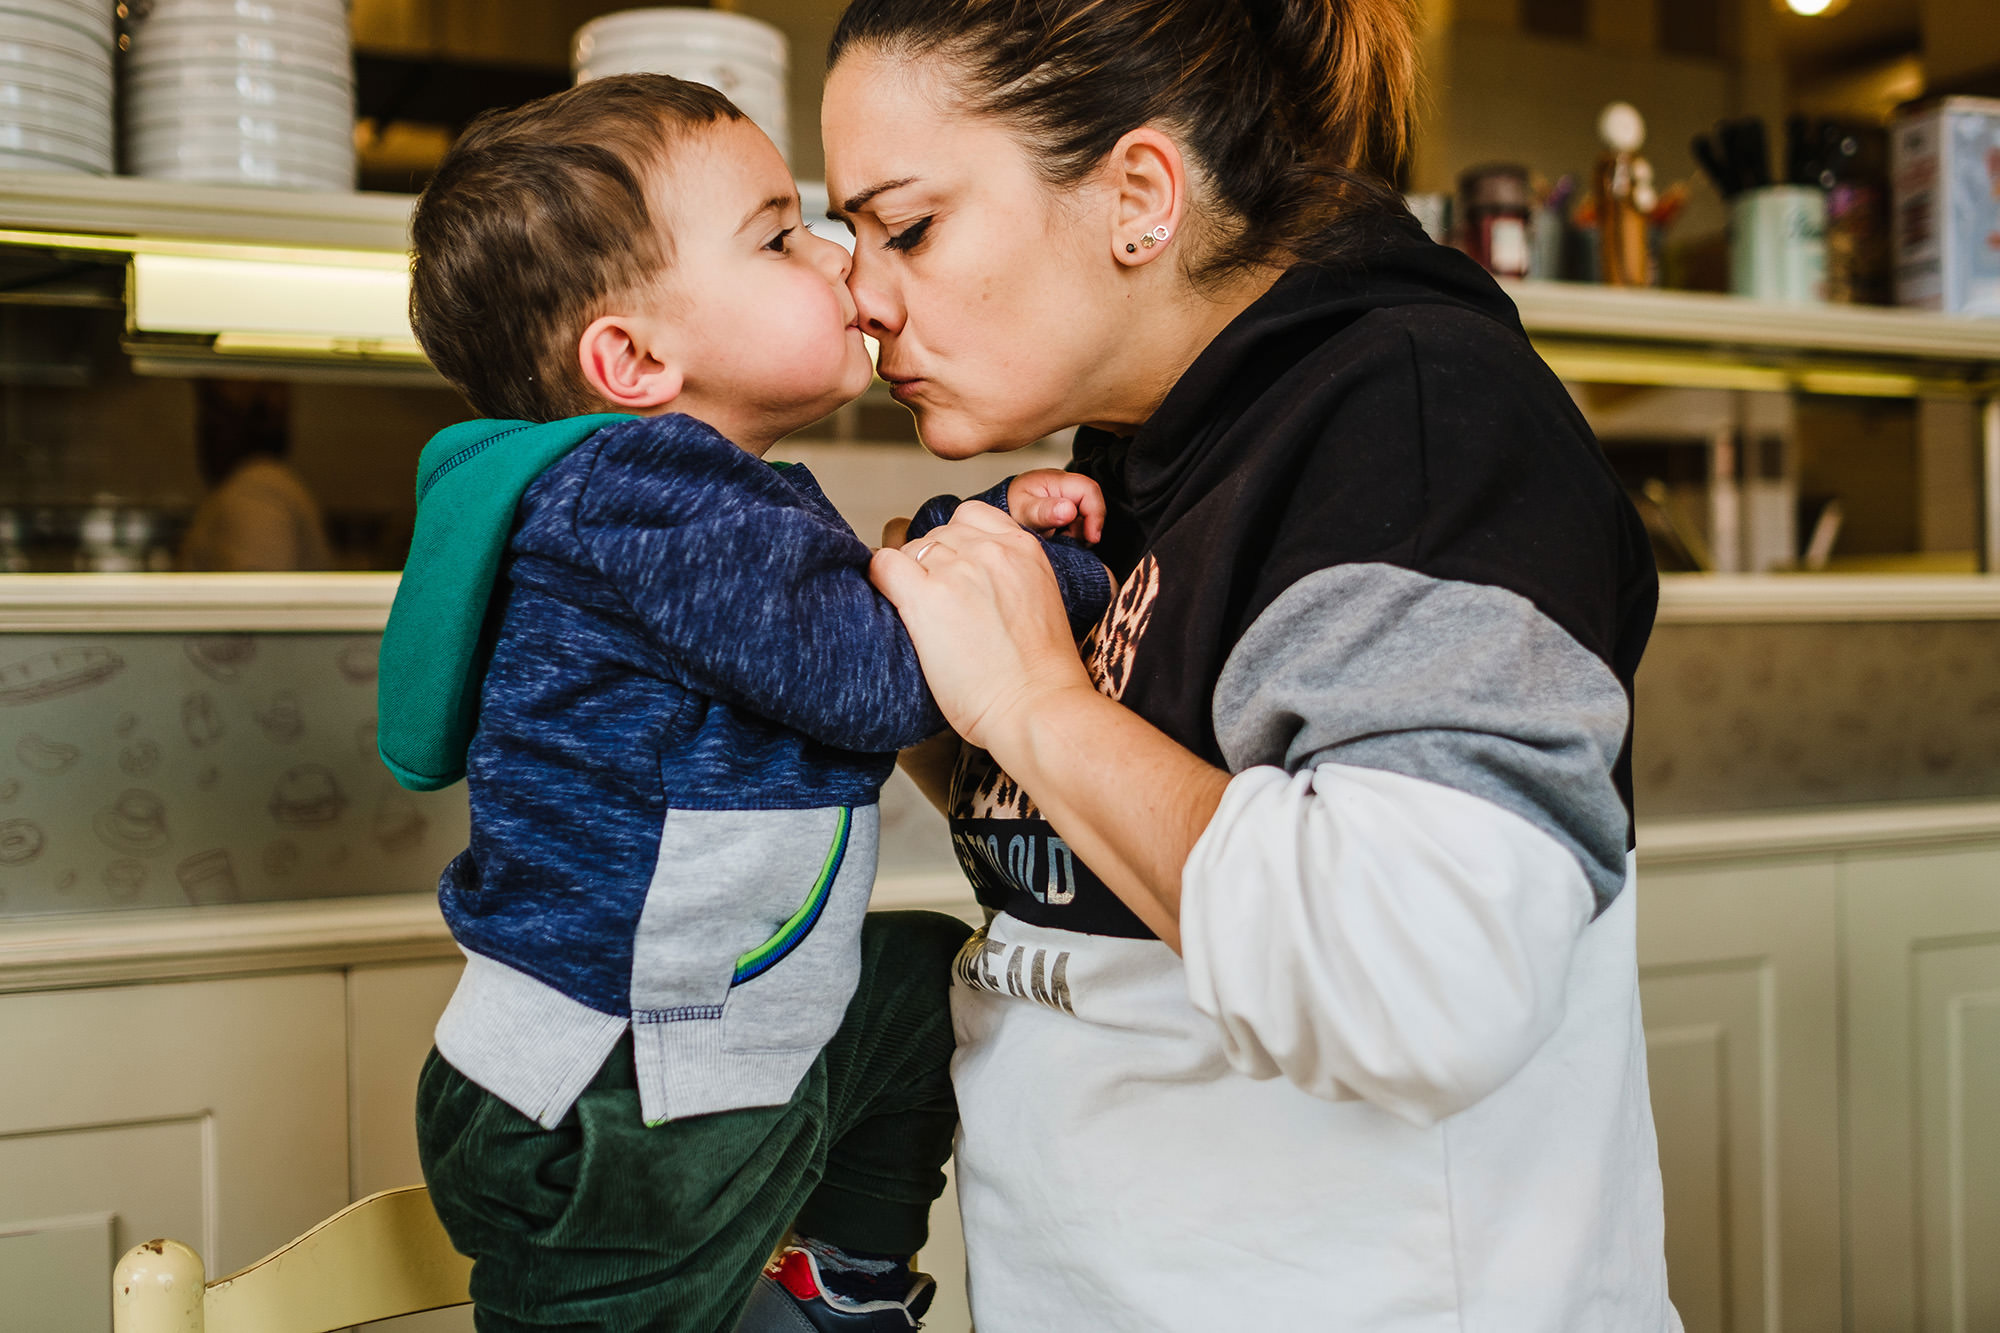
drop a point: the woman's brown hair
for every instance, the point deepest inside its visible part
(1296, 113)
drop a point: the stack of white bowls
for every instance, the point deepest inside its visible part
(241, 92)
(743, 57)
(55, 86)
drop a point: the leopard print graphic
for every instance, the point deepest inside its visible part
(979, 788)
(1113, 642)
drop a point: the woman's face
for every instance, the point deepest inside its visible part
(996, 302)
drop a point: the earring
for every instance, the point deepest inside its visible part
(1154, 237)
(1131, 249)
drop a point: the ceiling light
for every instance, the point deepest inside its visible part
(1812, 8)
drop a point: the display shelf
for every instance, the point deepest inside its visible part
(1890, 338)
(359, 603)
(1707, 599)
(129, 206)
(195, 603)
(281, 324)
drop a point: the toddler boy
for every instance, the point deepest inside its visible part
(659, 665)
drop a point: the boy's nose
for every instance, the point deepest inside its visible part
(832, 257)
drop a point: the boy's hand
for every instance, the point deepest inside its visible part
(1049, 501)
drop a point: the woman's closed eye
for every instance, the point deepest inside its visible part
(909, 237)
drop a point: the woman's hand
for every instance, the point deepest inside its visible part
(982, 608)
(988, 623)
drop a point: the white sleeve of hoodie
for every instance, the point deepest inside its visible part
(1366, 934)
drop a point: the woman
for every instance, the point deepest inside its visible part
(1310, 1001)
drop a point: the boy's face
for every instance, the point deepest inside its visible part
(757, 307)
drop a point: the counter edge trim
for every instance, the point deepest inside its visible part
(1815, 833)
(188, 943)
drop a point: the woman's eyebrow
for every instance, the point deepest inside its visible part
(855, 203)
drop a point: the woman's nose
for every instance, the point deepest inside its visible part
(876, 303)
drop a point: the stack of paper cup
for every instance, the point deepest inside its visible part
(55, 86)
(743, 57)
(241, 92)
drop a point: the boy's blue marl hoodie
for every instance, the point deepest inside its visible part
(674, 695)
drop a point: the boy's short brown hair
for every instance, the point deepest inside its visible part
(535, 217)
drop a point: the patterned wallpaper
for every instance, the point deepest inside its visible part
(145, 770)
(151, 770)
(1748, 717)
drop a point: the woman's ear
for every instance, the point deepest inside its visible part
(625, 365)
(1148, 179)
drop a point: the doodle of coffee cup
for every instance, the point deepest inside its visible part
(209, 877)
(201, 721)
(222, 656)
(123, 880)
(281, 858)
(45, 756)
(139, 759)
(135, 823)
(307, 796)
(399, 825)
(52, 675)
(20, 842)
(283, 722)
(357, 661)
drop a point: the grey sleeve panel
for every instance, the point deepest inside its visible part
(1461, 684)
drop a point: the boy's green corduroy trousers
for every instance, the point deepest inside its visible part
(602, 1225)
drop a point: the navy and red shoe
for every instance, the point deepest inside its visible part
(792, 1297)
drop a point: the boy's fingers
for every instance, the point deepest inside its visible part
(1046, 513)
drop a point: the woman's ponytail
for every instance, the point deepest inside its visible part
(1350, 67)
(1297, 113)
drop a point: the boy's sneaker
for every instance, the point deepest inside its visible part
(791, 1297)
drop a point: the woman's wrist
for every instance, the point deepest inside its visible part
(1020, 734)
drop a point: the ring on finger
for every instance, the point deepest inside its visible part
(922, 551)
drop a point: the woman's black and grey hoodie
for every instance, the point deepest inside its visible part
(1368, 526)
(1374, 565)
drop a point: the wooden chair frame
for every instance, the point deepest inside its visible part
(384, 1256)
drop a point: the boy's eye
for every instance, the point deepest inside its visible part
(908, 238)
(777, 242)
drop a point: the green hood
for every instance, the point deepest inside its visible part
(470, 479)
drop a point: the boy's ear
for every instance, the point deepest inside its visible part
(623, 364)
